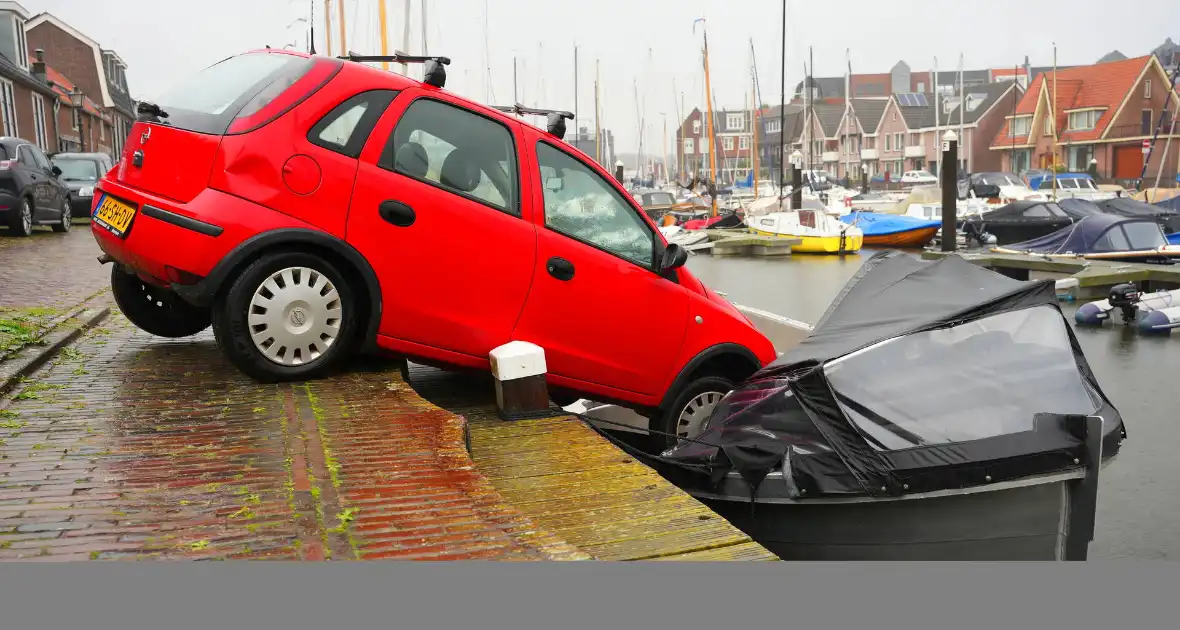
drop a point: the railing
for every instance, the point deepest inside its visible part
(1131, 131)
(869, 154)
(915, 152)
(831, 156)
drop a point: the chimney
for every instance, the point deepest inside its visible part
(38, 68)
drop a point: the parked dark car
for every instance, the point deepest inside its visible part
(30, 191)
(80, 172)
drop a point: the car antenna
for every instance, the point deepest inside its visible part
(435, 75)
(554, 118)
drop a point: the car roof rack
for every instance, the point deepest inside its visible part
(554, 118)
(435, 75)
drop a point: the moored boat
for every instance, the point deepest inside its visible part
(1104, 237)
(888, 230)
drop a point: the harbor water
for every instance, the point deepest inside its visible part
(1139, 501)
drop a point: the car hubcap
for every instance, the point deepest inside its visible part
(295, 316)
(26, 216)
(66, 219)
(696, 413)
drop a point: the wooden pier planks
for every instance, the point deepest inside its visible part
(573, 482)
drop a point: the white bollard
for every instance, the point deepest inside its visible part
(519, 370)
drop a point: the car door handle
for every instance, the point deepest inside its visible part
(396, 213)
(560, 268)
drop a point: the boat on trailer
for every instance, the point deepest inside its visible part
(988, 446)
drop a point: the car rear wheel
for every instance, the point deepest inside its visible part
(66, 221)
(21, 223)
(156, 310)
(689, 411)
(288, 316)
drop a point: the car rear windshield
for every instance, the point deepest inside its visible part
(209, 101)
(76, 170)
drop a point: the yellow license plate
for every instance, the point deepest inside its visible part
(114, 215)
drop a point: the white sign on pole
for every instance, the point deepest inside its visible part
(946, 146)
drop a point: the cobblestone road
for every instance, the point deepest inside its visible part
(133, 446)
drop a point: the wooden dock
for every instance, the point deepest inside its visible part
(739, 242)
(1095, 277)
(574, 483)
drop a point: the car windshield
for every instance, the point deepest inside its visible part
(1000, 179)
(76, 170)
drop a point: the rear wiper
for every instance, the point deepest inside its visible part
(149, 112)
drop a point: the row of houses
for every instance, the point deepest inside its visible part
(1102, 113)
(60, 89)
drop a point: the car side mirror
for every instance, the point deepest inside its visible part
(674, 257)
(56, 171)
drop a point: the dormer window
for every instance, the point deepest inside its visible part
(22, 46)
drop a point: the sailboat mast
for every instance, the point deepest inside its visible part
(383, 24)
(577, 131)
(962, 113)
(340, 16)
(709, 107)
(847, 109)
(811, 69)
(782, 109)
(754, 120)
(937, 108)
(597, 131)
(328, 26)
(1053, 165)
(405, 36)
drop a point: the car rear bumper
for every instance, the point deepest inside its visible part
(9, 205)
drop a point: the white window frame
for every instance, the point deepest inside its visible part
(22, 45)
(1027, 127)
(727, 143)
(888, 142)
(1049, 131)
(774, 126)
(1084, 120)
(703, 149)
(898, 140)
(696, 127)
(735, 122)
(743, 142)
(40, 132)
(102, 130)
(1147, 88)
(688, 146)
(8, 109)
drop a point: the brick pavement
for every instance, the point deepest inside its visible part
(132, 446)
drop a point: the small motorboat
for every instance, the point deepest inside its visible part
(1154, 313)
(722, 221)
(987, 446)
(683, 237)
(1019, 221)
(819, 232)
(889, 230)
(1163, 213)
(1103, 237)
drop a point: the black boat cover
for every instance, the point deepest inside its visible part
(1025, 212)
(1078, 208)
(1168, 218)
(920, 376)
(1169, 205)
(1101, 233)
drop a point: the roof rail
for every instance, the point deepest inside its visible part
(435, 75)
(554, 118)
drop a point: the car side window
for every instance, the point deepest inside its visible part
(346, 128)
(580, 204)
(456, 150)
(39, 158)
(25, 156)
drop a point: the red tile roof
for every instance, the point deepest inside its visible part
(63, 86)
(1100, 85)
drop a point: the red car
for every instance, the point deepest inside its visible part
(311, 207)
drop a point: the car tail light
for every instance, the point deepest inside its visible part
(283, 94)
(6, 164)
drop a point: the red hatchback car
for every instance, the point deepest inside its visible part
(311, 207)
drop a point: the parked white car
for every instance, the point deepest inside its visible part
(1077, 185)
(918, 178)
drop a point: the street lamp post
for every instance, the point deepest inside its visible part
(78, 99)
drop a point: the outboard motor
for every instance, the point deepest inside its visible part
(1125, 298)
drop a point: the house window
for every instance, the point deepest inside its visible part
(894, 117)
(774, 126)
(688, 147)
(75, 118)
(102, 130)
(744, 142)
(1083, 121)
(888, 142)
(1079, 157)
(1147, 89)
(727, 143)
(696, 127)
(735, 122)
(914, 141)
(704, 148)
(8, 108)
(870, 143)
(22, 47)
(41, 136)
(921, 87)
(1021, 126)
(897, 141)
(1048, 125)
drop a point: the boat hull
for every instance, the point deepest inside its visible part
(1021, 522)
(902, 240)
(819, 244)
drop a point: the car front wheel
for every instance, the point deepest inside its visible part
(287, 316)
(689, 411)
(155, 310)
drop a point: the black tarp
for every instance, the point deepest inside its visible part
(920, 376)
(1168, 218)
(1078, 208)
(1169, 205)
(1100, 233)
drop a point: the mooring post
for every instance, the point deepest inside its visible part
(950, 189)
(796, 180)
(864, 179)
(519, 370)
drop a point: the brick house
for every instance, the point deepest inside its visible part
(858, 136)
(1103, 112)
(733, 136)
(98, 72)
(27, 104)
(772, 122)
(82, 129)
(821, 137)
(985, 108)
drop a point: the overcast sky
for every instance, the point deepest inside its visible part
(644, 44)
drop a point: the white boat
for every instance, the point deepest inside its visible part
(1157, 312)
(818, 231)
(682, 237)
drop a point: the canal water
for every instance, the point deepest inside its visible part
(1139, 496)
